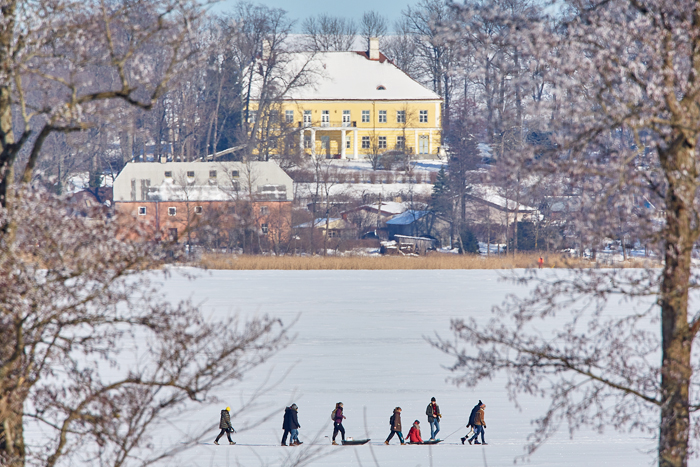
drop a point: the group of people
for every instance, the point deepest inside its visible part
(291, 425)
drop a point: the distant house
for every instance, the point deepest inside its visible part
(357, 104)
(89, 200)
(410, 223)
(371, 218)
(172, 199)
(337, 227)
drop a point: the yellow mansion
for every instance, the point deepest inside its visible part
(360, 103)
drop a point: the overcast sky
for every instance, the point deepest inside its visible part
(300, 9)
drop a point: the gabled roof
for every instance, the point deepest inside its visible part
(407, 218)
(352, 76)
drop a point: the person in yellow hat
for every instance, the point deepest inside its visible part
(225, 425)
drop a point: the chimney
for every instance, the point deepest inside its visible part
(266, 46)
(374, 48)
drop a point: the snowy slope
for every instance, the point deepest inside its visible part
(360, 340)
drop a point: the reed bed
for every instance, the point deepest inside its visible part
(433, 261)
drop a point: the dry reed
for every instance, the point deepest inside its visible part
(434, 261)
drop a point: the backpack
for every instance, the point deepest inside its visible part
(333, 414)
(472, 416)
(391, 420)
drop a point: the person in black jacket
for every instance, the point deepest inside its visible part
(225, 425)
(471, 425)
(291, 426)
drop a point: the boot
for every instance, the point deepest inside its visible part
(463, 440)
(470, 442)
(216, 442)
(386, 442)
(299, 442)
(282, 444)
(334, 443)
(231, 442)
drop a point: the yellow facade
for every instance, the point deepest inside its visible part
(367, 127)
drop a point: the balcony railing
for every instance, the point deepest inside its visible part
(329, 124)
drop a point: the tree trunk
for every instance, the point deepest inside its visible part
(7, 137)
(678, 163)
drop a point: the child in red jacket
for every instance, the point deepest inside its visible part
(414, 433)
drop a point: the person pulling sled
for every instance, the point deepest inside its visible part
(337, 417)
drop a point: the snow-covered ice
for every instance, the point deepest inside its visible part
(361, 340)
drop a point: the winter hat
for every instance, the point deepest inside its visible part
(228, 409)
(417, 422)
(294, 406)
(432, 399)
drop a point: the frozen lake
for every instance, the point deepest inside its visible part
(360, 339)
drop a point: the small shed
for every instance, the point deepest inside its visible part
(410, 223)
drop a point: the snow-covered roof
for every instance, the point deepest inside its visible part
(333, 223)
(350, 76)
(407, 218)
(490, 195)
(201, 181)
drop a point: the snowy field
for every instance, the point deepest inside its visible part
(360, 340)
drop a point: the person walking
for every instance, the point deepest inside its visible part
(433, 413)
(338, 422)
(479, 425)
(291, 426)
(414, 436)
(470, 423)
(225, 425)
(395, 422)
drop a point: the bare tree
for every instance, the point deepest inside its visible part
(372, 25)
(74, 299)
(48, 55)
(329, 33)
(627, 71)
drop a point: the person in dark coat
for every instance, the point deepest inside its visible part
(434, 416)
(470, 424)
(225, 425)
(338, 422)
(291, 426)
(479, 425)
(395, 426)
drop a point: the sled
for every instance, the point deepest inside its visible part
(435, 441)
(355, 442)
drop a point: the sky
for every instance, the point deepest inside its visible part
(300, 9)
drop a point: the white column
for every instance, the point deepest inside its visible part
(415, 146)
(342, 143)
(354, 144)
(313, 142)
(430, 141)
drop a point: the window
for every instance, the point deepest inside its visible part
(235, 174)
(325, 142)
(190, 174)
(423, 144)
(325, 118)
(173, 234)
(198, 209)
(382, 142)
(423, 116)
(365, 142)
(382, 116)
(264, 228)
(346, 118)
(365, 116)
(212, 174)
(172, 211)
(264, 210)
(307, 118)
(307, 141)
(347, 142)
(168, 174)
(142, 210)
(400, 142)
(289, 116)
(400, 116)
